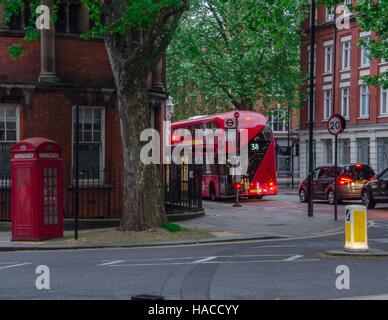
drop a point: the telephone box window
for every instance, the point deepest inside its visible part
(50, 196)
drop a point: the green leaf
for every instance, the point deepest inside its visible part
(15, 51)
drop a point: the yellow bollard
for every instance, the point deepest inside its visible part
(356, 229)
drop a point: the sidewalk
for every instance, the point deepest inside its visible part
(266, 219)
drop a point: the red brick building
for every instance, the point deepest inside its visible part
(39, 91)
(340, 65)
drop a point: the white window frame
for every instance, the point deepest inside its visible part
(280, 113)
(330, 14)
(329, 59)
(346, 54)
(364, 55)
(384, 102)
(348, 2)
(367, 95)
(327, 103)
(102, 154)
(5, 183)
(345, 107)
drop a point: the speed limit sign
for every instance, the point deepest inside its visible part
(336, 125)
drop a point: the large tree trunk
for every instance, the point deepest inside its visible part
(143, 203)
(131, 64)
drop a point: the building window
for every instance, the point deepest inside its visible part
(328, 151)
(363, 150)
(328, 59)
(364, 55)
(91, 142)
(68, 16)
(330, 14)
(8, 136)
(344, 151)
(382, 154)
(279, 120)
(348, 2)
(327, 104)
(384, 102)
(345, 102)
(346, 47)
(364, 101)
(21, 20)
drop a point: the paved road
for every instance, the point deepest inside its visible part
(293, 269)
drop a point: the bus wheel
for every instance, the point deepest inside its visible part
(259, 197)
(212, 191)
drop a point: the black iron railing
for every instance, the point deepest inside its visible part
(183, 188)
(5, 182)
(100, 193)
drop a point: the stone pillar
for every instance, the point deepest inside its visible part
(83, 19)
(3, 25)
(157, 76)
(47, 51)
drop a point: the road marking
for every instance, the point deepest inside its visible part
(111, 262)
(278, 246)
(15, 265)
(382, 240)
(293, 258)
(374, 297)
(204, 260)
(207, 260)
(210, 262)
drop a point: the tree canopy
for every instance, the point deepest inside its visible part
(236, 53)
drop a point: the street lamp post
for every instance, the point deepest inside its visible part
(311, 109)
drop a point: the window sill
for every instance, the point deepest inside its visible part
(363, 118)
(382, 116)
(327, 74)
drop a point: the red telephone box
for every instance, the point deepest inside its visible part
(37, 198)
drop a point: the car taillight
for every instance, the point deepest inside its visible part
(238, 186)
(344, 181)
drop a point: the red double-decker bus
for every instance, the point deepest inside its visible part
(217, 183)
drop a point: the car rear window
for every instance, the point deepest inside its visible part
(361, 172)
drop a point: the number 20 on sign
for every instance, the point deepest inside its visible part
(336, 125)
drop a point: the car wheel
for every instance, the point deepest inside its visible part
(331, 197)
(212, 191)
(303, 195)
(367, 200)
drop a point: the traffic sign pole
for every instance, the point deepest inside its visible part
(335, 176)
(336, 125)
(237, 145)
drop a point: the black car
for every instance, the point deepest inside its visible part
(350, 180)
(376, 191)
